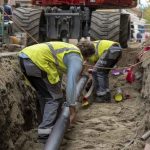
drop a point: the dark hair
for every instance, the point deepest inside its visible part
(5, 1)
(86, 47)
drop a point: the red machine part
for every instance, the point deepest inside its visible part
(58, 2)
(89, 3)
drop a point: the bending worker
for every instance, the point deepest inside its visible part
(43, 65)
(107, 54)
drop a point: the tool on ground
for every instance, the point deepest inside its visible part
(57, 134)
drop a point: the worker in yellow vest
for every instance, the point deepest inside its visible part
(107, 54)
(43, 65)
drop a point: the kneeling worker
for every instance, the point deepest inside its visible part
(107, 54)
(43, 65)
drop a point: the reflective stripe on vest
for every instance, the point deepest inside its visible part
(53, 52)
(58, 51)
(97, 45)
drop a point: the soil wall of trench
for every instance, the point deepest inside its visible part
(19, 108)
(18, 105)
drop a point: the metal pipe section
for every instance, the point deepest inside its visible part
(57, 134)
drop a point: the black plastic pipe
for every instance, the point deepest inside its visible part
(80, 85)
(57, 134)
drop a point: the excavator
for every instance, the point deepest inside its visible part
(72, 19)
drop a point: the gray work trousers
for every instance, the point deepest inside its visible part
(50, 96)
(100, 76)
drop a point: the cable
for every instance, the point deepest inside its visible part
(116, 68)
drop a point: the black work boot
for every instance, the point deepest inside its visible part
(43, 134)
(104, 98)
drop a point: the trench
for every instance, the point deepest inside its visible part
(114, 126)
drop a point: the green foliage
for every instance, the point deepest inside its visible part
(146, 14)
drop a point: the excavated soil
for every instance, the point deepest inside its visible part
(113, 126)
(18, 113)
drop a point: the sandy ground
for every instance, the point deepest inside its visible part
(113, 126)
(108, 126)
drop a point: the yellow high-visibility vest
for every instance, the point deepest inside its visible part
(49, 57)
(100, 47)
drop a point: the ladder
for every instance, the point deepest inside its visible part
(1, 26)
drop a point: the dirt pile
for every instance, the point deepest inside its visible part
(17, 103)
(146, 68)
(145, 92)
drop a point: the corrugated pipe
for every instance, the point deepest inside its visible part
(57, 134)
